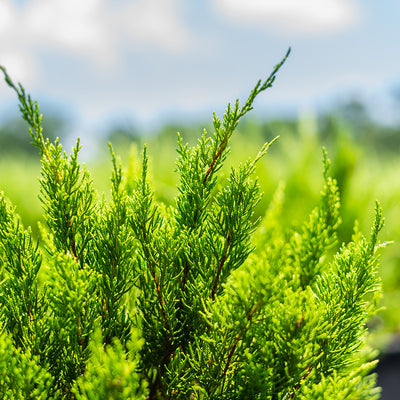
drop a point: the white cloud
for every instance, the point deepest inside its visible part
(6, 16)
(75, 26)
(23, 67)
(97, 31)
(292, 16)
(155, 22)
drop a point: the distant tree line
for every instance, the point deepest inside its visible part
(351, 116)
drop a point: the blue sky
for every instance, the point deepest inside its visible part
(156, 61)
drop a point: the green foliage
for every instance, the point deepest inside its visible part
(21, 375)
(200, 299)
(112, 371)
(20, 298)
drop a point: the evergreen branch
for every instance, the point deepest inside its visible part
(233, 212)
(232, 117)
(185, 274)
(158, 289)
(72, 241)
(145, 198)
(286, 324)
(376, 228)
(168, 347)
(239, 336)
(30, 113)
(215, 159)
(297, 386)
(221, 264)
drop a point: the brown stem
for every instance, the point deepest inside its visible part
(297, 386)
(31, 325)
(154, 389)
(209, 171)
(160, 297)
(72, 239)
(215, 159)
(238, 336)
(230, 355)
(221, 264)
(185, 274)
(157, 386)
(158, 289)
(113, 260)
(105, 309)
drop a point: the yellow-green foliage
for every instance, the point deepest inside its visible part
(133, 297)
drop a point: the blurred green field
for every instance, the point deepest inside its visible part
(366, 166)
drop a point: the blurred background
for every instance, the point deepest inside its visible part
(135, 71)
